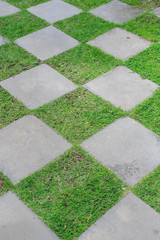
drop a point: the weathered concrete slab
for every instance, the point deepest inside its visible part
(157, 12)
(127, 148)
(7, 9)
(3, 40)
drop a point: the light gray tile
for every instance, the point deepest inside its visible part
(130, 219)
(47, 42)
(7, 9)
(127, 148)
(17, 222)
(55, 10)
(27, 145)
(3, 40)
(120, 43)
(116, 11)
(157, 12)
(38, 86)
(122, 87)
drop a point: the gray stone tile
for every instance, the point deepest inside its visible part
(27, 145)
(122, 87)
(18, 222)
(116, 11)
(3, 40)
(130, 219)
(7, 9)
(157, 12)
(127, 148)
(120, 43)
(38, 86)
(55, 10)
(47, 42)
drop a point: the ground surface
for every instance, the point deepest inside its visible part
(80, 119)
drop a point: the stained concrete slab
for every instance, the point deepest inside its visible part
(38, 86)
(55, 10)
(27, 145)
(3, 40)
(18, 222)
(130, 219)
(122, 87)
(47, 42)
(120, 43)
(116, 11)
(127, 148)
(157, 12)
(7, 9)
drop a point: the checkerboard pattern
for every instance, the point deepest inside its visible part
(68, 107)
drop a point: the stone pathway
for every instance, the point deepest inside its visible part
(28, 144)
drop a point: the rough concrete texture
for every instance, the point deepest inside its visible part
(122, 87)
(7, 9)
(38, 86)
(120, 43)
(127, 148)
(27, 145)
(157, 12)
(3, 40)
(130, 219)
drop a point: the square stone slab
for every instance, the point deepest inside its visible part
(27, 145)
(127, 148)
(47, 42)
(157, 12)
(122, 87)
(55, 10)
(18, 222)
(3, 40)
(120, 43)
(38, 86)
(130, 219)
(7, 9)
(116, 11)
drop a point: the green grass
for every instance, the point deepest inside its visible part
(143, 4)
(71, 193)
(14, 60)
(87, 4)
(5, 184)
(84, 26)
(78, 115)
(146, 26)
(24, 4)
(149, 189)
(83, 63)
(10, 108)
(148, 113)
(20, 24)
(147, 63)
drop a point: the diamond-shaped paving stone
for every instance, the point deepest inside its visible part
(3, 40)
(127, 148)
(18, 222)
(27, 145)
(120, 43)
(7, 9)
(122, 87)
(47, 42)
(55, 10)
(130, 219)
(157, 12)
(38, 86)
(116, 11)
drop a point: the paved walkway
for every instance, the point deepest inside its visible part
(28, 144)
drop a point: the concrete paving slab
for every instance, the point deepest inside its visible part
(47, 42)
(157, 12)
(127, 148)
(122, 87)
(18, 222)
(130, 219)
(38, 86)
(27, 145)
(116, 11)
(7, 9)
(3, 40)
(55, 10)
(120, 43)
